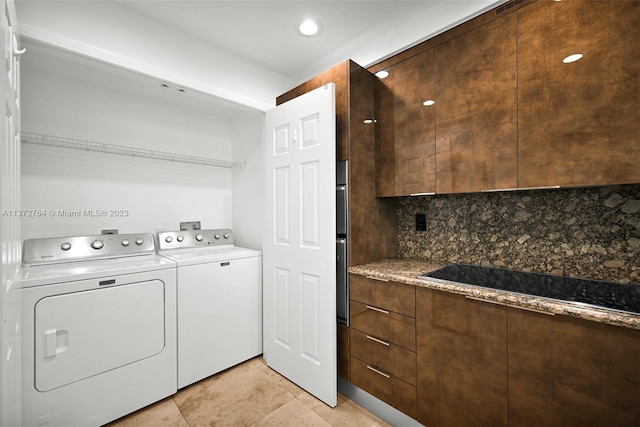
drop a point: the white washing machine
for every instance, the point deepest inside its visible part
(99, 328)
(219, 301)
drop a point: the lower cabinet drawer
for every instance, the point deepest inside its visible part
(384, 324)
(386, 387)
(390, 358)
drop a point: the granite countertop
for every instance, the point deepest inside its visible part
(407, 271)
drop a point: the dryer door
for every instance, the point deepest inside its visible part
(82, 334)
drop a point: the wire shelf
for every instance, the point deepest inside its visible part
(77, 144)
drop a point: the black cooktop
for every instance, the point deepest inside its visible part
(615, 296)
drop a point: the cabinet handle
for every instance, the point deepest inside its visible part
(497, 190)
(377, 278)
(377, 340)
(484, 300)
(535, 310)
(548, 187)
(422, 194)
(379, 372)
(379, 310)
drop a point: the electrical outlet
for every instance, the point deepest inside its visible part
(421, 222)
(190, 225)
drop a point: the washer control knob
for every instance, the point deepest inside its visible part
(217, 236)
(65, 246)
(199, 237)
(139, 242)
(168, 239)
(97, 244)
(180, 238)
(226, 235)
(125, 242)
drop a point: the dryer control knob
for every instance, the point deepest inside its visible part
(226, 235)
(180, 238)
(139, 242)
(168, 239)
(199, 237)
(217, 236)
(65, 246)
(97, 244)
(125, 242)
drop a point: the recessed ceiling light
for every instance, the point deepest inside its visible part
(309, 27)
(572, 58)
(369, 121)
(383, 74)
(428, 102)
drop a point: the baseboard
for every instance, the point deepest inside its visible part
(376, 406)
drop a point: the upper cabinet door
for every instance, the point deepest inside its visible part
(405, 152)
(578, 122)
(476, 115)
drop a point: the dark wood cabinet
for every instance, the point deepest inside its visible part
(509, 113)
(452, 360)
(395, 297)
(571, 372)
(476, 109)
(462, 360)
(383, 341)
(343, 351)
(384, 324)
(405, 129)
(397, 393)
(391, 358)
(579, 123)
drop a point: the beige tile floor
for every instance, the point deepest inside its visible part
(250, 394)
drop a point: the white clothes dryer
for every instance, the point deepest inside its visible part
(219, 301)
(98, 328)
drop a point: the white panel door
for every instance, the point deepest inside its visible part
(10, 247)
(299, 270)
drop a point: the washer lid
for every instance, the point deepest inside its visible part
(83, 270)
(200, 256)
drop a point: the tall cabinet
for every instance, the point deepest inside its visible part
(372, 222)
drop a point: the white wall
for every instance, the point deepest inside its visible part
(248, 182)
(70, 97)
(119, 35)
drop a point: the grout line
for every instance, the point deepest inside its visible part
(180, 410)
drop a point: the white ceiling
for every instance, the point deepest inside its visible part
(266, 31)
(254, 42)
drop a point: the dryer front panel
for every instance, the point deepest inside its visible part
(82, 334)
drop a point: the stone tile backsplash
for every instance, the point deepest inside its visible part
(590, 232)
